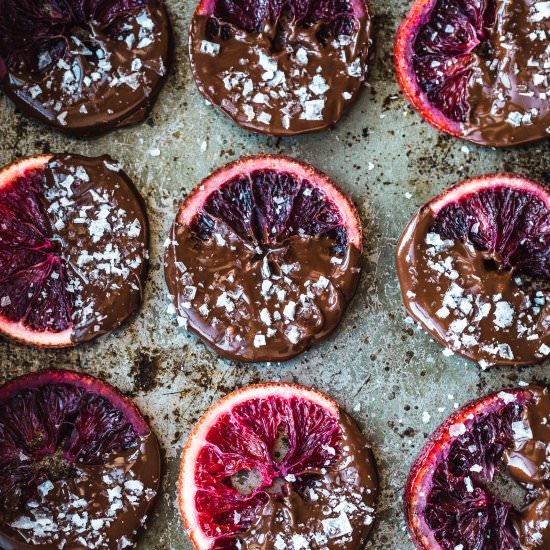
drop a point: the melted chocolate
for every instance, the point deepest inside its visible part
(107, 77)
(106, 253)
(98, 228)
(97, 506)
(508, 94)
(527, 462)
(494, 317)
(334, 511)
(302, 86)
(253, 304)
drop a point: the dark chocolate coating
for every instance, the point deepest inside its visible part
(108, 76)
(115, 290)
(105, 505)
(304, 87)
(96, 224)
(527, 463)
(486, 315)
(251, 306)
(509, 92)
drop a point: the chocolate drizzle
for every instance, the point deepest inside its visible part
(107, 75)
(459, 295)
(284, 80)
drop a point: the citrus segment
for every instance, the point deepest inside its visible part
(263, 258)
(319, 489)
(474, 266)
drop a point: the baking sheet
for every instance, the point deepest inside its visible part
(384, 370)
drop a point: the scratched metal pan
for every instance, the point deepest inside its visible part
(384, 370)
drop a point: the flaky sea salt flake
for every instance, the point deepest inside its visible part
(210, 48)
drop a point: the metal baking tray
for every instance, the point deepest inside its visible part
(384, 370)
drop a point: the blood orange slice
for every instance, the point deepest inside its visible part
(73, 249)
(449, 498)
(79, 466)
(263, 258)
(280, 68)
(474, 269)
(84, 67)
(312, 477)
(477, 69)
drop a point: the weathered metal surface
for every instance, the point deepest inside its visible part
(383, 369)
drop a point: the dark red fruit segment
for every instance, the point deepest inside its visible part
(267, 206)
(51, 296)
(449, 501)
(37, 298)
(66, 249)
(442, 60)
(217, 513)
(476, 69)
(28, 290)
(511, 222)
(85, 426)
(83, 66)
(83, 446)
(66, 440)
(249, 15)
(26, 253)
(24, 224)
(25, 201)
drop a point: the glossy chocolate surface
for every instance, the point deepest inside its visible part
(106, 237)
(336, 509)
(527, 462)
(108, 75)
(96, 237)
(509, 92)
(282, 80)
(264, 303)
(457, 293)
(98, 506)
